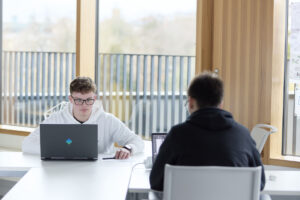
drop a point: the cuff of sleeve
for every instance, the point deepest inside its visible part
(133, 148)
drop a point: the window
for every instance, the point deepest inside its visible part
(38, 58)
(146, 60)
(291, 145)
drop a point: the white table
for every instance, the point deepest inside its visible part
(139, 181)
(101, 179)
(78, 182)
(283, 183)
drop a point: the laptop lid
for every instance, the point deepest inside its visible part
(69, 141)
(157, 140)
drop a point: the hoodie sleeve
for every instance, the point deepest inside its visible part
(31, 143)
(124, 136)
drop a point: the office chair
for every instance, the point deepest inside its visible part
(211, 183)
(260, 134)
(55, 109)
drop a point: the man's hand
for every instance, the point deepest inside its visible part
(122, 154)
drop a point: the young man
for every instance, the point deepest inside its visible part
(209, 136)
(82, 109)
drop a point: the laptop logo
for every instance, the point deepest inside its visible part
(69, 141)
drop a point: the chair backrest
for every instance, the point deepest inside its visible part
(211, 183)
(260, 134)
(55, 109)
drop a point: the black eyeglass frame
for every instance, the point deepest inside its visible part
(79, 101)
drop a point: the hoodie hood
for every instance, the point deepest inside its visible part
(211, 119)
(97, 111)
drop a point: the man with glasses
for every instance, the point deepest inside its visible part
(84, 109)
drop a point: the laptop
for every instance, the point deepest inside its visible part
(157, 140)
(69, 141)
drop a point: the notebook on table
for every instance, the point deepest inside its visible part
(69, 141)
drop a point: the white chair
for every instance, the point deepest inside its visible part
(55, 109)
(211, 183)
(260, 134)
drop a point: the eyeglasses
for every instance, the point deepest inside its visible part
(78, 101)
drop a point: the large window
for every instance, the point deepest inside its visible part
(38, 58)
(146, 60)
(292, 82)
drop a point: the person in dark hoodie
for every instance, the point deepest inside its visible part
(209, 137)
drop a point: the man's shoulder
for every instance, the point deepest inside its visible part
(240, 128)
(55, 117)
(177, 129)
(180, 126)
(106, 117)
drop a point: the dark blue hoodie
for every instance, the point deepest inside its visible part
(209, 137)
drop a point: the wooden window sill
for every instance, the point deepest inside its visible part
(15, 130)
(286, 161)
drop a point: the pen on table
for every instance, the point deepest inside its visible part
(109, 158)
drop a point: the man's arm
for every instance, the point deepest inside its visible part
(31, 143)
(124, 136)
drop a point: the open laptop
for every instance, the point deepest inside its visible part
(157, 140)
(69, 141)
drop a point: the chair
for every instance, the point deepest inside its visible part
(260, 134)
(211, 183)
(55, 109)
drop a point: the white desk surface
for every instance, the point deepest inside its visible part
(139, 181)
(77, 182)
(282, 183)
(102, 179)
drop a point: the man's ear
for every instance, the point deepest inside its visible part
(192, 103)
(221, 105)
